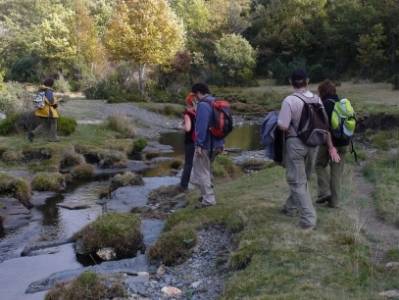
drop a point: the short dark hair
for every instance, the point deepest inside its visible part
(49, 82)
(299, 78)
(327, 89)
(200, 88)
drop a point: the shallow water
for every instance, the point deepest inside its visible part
(245, 137)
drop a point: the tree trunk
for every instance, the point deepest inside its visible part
(142, 79)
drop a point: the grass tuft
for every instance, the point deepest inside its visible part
(45, 181)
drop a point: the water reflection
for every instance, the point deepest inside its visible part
(246, 137)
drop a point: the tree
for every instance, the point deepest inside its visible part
(146, 32)
(371, 48)
(236, 57)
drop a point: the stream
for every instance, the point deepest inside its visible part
(51, 222)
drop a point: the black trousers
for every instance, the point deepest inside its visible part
(189, 150)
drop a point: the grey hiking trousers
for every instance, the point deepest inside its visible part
(201, 177)
(299, 161)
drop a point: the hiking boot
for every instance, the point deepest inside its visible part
(288, 212)
(31, 136)
(202, 205)
(306, 227)
(323, 200)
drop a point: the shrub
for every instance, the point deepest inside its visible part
(89, 286)
(82, 172)
(174, 246)
(125, 179)
(62, 85)
(139, 145)
(25, 69)
(17, 188)
(54, 182)
(120, 231)
(8, 125)
(66, 125)
(121, 124)
(14, 98)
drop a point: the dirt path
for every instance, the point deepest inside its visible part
(382, 236)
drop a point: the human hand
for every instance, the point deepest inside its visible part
(334, 155)
(199, 151)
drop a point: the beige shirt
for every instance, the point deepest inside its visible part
(291, 109)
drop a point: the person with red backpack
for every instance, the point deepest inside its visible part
(189, 139)
(304, 122)
(213, 124)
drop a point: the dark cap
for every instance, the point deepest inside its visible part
(299, 75)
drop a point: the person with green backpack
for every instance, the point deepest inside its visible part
(342, 126)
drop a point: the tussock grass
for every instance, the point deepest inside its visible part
(122, 125)
(274, 259)
(45, 181)
(128, 178)
(17, 188)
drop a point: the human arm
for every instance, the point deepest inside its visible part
(284, 117)
(332, 150)
(187, 123)
(202, 126)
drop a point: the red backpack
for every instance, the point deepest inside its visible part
(222, 120)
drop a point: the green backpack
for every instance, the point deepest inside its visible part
(343, 120)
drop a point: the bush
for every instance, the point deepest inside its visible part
(120, 231)
(88, 286)
(139, 145)
(282, 71)
(25, 69)
(17, 188)
(125, 179)
(317, 73)
(173, 247)
(121, 124)
(62, 85)
(54, 182)
(14, 98)
(66, 125)
(8, 126)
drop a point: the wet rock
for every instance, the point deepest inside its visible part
(392, 265)
(40, 198)
(132, 265)
(1, 227)
(171, 292)
(391, 294)
(106, 254)
(125, 179)
(14, 214)
(151, 230)
(156, 147)
(40, 246)
(168, 198)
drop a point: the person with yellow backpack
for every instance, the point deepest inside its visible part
(46, 112)
(342, 127)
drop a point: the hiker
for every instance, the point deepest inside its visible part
(299, 157)
(46, 112)
(329, 182)
(206, 145)
(189, 139)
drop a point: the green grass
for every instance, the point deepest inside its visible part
(276, 260)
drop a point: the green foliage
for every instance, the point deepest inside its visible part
(8, 125)
(88, 286)
(174, 246)
(14, 98)
(120, 231)
(62, 85)
(139, 145)
(66, 125)
(236, 58)
(54, 182)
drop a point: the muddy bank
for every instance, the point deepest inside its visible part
(380, 121)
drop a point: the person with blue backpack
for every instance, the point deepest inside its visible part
(342, 122)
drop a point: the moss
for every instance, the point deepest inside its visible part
(66, 125)
(122, 125)
(15, 187)
(174, 246)
(71, 159)
(125, 179)
(88, 286)
(82, 172)
(224, 167)
(120, 231)
(48, 182)
(139, 145)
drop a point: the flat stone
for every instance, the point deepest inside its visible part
(391, 294)
(73, 205)
(171, 292)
